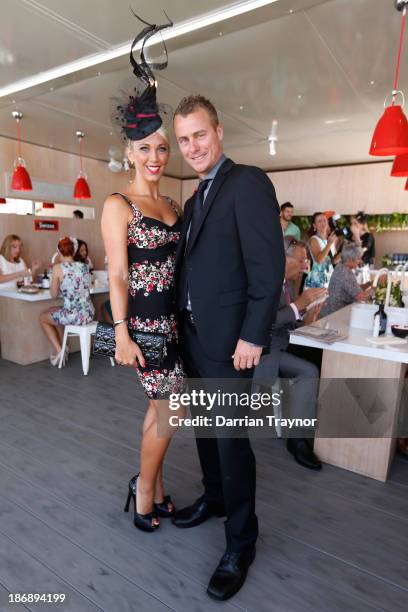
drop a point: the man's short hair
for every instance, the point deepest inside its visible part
(291, 243)
(190, 104)
(286, 205)
(78, 214)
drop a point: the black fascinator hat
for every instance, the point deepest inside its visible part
(136, 111)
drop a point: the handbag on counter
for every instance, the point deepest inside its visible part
(153, 346)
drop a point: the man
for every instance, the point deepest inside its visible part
(301, 392)
(288, 227)
(78, 214)
(230, 271)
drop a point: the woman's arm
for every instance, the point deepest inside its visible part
(56, 281)
(115, 218)
(320, 255)
(4, 278)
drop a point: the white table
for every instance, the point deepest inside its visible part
(354, 357)
(21, 337)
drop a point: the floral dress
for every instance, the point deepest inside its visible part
(152, 301)
(75, 290)
(319, 275)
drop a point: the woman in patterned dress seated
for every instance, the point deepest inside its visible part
(72, 280)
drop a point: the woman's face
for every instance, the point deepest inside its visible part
(15, 250)
(83, 251)
(356, 226)
(150, 157)
(321, 225)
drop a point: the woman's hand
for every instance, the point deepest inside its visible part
(128, 352)
(331, 239)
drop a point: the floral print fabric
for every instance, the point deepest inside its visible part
(151, 253)
(75, 291)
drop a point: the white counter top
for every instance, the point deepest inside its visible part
(355, 343)
(43, 295)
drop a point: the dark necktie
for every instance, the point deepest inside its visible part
(197, 210)
(286, 293)
(194, 223)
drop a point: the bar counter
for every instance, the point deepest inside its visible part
(21, 337)
(351, 358)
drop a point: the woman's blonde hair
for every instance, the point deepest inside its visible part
(5, 249)
(162, 131)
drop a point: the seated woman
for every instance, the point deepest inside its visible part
(82, 254)
(12, 265)
(343, 287)
(73, 280)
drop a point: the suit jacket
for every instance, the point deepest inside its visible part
(285, 322)
(235, 260)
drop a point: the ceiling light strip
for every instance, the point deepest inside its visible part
(88, 61)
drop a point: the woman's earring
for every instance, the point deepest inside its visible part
(132, 171)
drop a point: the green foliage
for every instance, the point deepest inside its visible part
(395, 296)
(376, 223)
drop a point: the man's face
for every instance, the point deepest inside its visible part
(287, 213)
(296, 264)
(199, 141)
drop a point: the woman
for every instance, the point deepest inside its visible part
(364, 238)
(73, 280)
(321, 250)
(82, 254)
(343, 287)
(12, 265)
(141, 229)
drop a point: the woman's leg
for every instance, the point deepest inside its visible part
(50, 328)
(153, 449)
(150, 418)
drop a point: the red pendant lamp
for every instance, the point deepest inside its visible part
(406, 185)
(391, 133)
(81, 188)
(400, 165)
(20, 180)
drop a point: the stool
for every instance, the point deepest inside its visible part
(84, 332)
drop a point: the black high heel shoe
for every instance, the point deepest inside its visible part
(141, 521)
(162, 509)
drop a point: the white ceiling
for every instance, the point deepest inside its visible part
(321, 68)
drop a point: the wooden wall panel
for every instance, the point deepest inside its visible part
(56, 166)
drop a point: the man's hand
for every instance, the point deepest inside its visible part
(246, 355)
(312, 315)
(308, 296)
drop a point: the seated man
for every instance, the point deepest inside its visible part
(301, 393)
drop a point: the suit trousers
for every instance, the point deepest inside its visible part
(299, 382)
(227, 463)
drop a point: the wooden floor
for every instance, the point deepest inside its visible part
(329, 541)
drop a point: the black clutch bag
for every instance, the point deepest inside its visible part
(153, 346)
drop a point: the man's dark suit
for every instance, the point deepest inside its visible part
(233, 266)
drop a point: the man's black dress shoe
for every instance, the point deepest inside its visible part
(302, 453)
(230, 574)
(197, 513)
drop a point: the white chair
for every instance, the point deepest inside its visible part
(84, 332)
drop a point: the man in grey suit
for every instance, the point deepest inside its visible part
(301, 390)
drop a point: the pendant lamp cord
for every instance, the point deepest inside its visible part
(80, 153)
(18, 138)
(394, 93)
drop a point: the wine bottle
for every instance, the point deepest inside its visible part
(380, 321)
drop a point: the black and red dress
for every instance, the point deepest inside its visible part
(152, 306)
